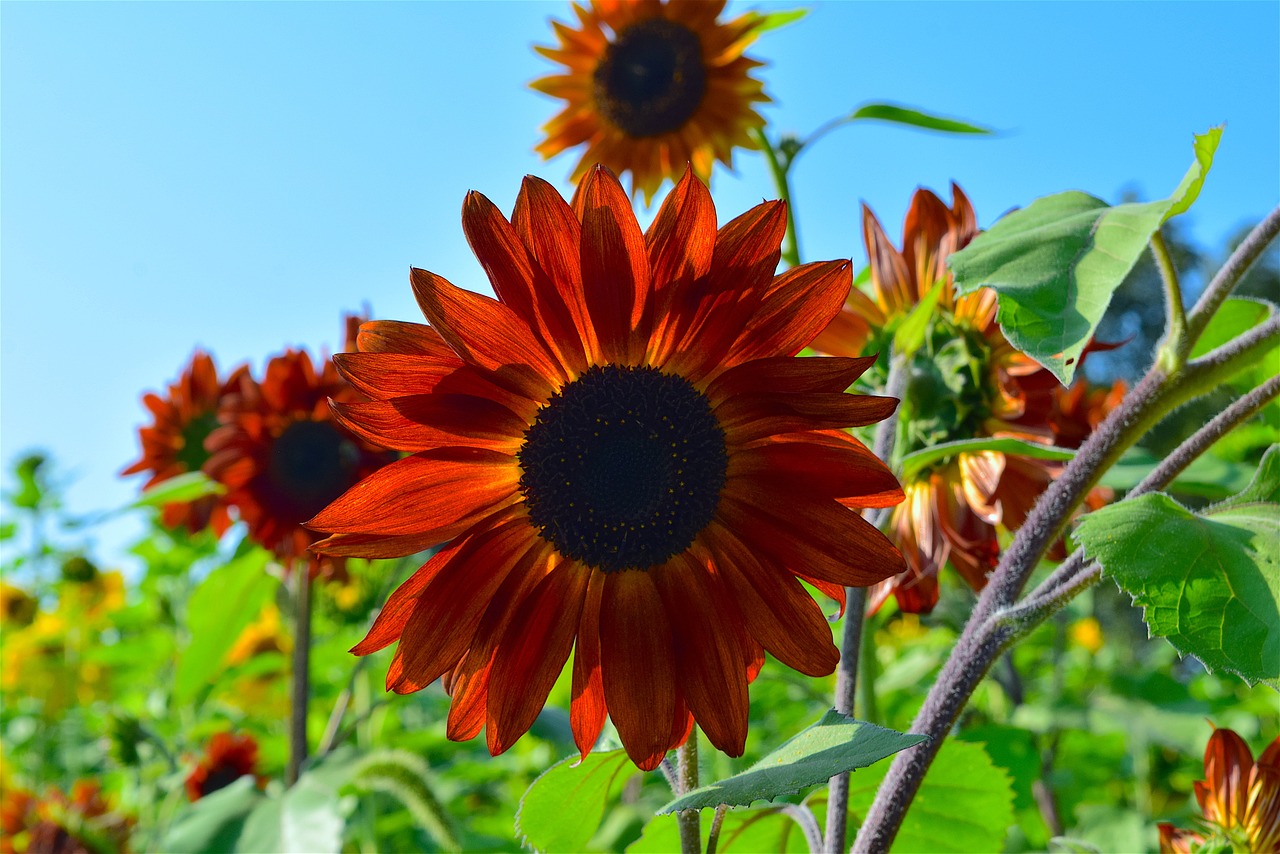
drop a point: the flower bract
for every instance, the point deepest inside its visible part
(626, 459)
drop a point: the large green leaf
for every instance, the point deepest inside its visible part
(1056, 263)
(1208, 582)
(831, 746)
(229, 598)
(745, 831)
(214, 822)
(917, 460)
(310, 816)
(900, 115)
(179, 489)
(964, 804)
(563, 808)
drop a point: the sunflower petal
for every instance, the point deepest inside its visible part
(804, 375)
(587, 707)
(799, 304)
(615, 268)
(395, 336)
(749, 417)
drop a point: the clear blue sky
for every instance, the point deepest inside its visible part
(236, 175)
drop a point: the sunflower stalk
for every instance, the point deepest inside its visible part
(780, 168)
(301, 693)
(989, 631)
(690, 821)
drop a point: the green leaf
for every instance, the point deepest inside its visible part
(744, 831)
(1232, 319)
(406, 777)
(214, 822)
(831, 746)
(776, 20)
(561, 810)
(914, 462)
(179, 489)
(1056, 263)
(914, 118)
(964, 804)
(1209, 583)
(910, 334)
(310, 816)
(217, 612)
(1207, 477)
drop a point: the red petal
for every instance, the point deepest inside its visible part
(587, 708)
(422, 422)
(796, 375)
(799, 304)
(836, 469)
(681, 243)
(532, 653)
(394, 336)
(638, 667)
(749, 417)
(487, 334)
(372, 545)
(615, 268)
(708, 650)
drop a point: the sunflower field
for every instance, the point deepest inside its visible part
(661, 535)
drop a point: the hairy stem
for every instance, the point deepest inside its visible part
(1229, 276)
(717, 821)
(1173, 351)
(690, 821)
(804, 817)
(782, 183)
(301, 692)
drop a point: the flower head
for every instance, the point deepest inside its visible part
(966, 381)
(174, 443)
(650, 86)
(282, 457)
(1240, 799)
(628, 461)
(57, 824)
(228, 757)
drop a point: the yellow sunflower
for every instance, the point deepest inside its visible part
(652, 86)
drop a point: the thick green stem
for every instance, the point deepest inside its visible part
(1174, 349)
(690, 821)
(779, 170)
(301, 693)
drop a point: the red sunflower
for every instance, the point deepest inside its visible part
(967, 381)
(282, 457)
(174, 443)
(1240, 799)
(227, 758)
(628, 461)
(56, 824)
(652, 86)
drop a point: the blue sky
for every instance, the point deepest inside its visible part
(237, 175)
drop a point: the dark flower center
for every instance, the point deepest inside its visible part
(651, 79)
(309, 465)
(219, 778)
(192, 454)
(623, 467)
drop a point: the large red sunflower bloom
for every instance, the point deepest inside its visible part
(629, 461)
(228, 757)
(967, 381)
(174, 443)
(282, 457)
(652, 86)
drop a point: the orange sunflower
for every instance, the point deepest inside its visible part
(282, 457)
(966, 381)
(174, 443)
(627, 459)
(227, 758)
(652, 86)
(1240, 799)
(56, 824)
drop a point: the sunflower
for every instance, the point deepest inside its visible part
(627, 460)
(282, 457)
(174, 442)
(1240, 799)
(966, 381)
(653, 86)
(57, 824)
(227, 758)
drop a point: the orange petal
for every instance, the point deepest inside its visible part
(434, 493)
(837, 470)
(449, 608)
(394, 336)
(803, 375)
(749, 417)
(425, 421)
(615, 267)
(532, 653)
(487, 334)
(799, 304)
(845, 335)
(681, 242)
(587, 707)
(708, 650)
(637, 665)
(400, 604)
(372, 545)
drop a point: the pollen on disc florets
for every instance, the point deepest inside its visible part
(623, 467)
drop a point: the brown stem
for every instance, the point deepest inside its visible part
(690, 821)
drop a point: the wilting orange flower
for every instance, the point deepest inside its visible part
(652, 86)
(282, 457)
(227, 758)
(174, 443)
(967, 381)
(626, 458)
(1239, 799)
(56, 824)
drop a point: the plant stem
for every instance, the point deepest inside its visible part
(1229, 276)
(690, 821)
(790, 243)
(804, 817)
(717, 821)
(1174, 349)
(301, 671)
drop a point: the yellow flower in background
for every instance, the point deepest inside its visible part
(17, 607)
(652, 86)
(1087, 632)
(263, 635)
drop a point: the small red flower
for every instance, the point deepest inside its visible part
(56, 824)
(227, 758)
